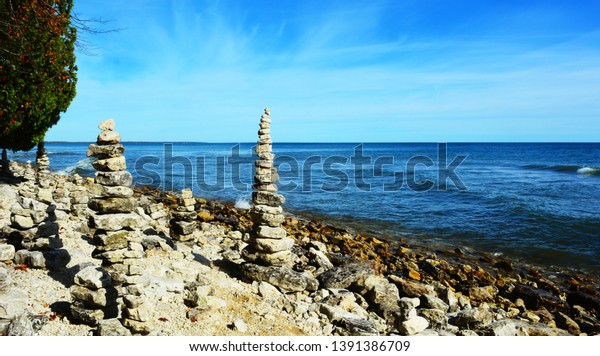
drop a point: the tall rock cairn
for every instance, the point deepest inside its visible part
(42, 164)
(268, 243)
(117, 237)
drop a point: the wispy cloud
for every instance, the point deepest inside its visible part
(187, 72)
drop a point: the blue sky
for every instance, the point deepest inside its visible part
(340, 71)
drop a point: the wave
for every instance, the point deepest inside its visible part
(242, 203)
(584, 170)
(83, 168)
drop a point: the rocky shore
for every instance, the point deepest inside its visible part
(95, 256)
(364, 286)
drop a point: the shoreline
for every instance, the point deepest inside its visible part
(456, 291)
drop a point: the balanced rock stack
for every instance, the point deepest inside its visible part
(269, 244)
(42, 163)
(35, 230)
(94, 296)
(117, 237)
(269, 252)
(183, 222)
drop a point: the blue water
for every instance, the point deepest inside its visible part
(537, 202)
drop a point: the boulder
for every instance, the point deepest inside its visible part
(282, 277)
(344, 276)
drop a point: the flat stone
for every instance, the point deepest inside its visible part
(410, 288)
(112, 240)
(266, 179)
(344, 276)
(94, 299)
(266, 198)
(271, 232)
(334, 313)
(107, 125)
(413, 326)
(142, 313)
(282, 277)
(265, 187)
(112, 164)
(472, 318)
(273, 220)
(93, 278)
(138, 327)
(105, 151)
(433, 302)
(115, 222)
(123, 178)
(86, 316)
(113, 205)
(108, 138)
(360, 327)
(271, 245)
(262, 163)
(184, 227)
(282, 258)
(265, 209)
(7, 252)
(22, 222)
(112, 327)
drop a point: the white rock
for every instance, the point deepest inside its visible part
(240, 326)
(413, 326)
(107, 125)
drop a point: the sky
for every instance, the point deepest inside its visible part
(339, 71)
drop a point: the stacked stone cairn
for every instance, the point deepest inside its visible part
(269, 251)
(42, 163)
(117, 236)
(183, 222)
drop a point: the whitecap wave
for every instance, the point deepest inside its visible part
(82, 167)
(241, 203)
(588, 170)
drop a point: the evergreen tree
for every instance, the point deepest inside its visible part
(37, 69)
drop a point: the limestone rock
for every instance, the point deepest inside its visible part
(344, 276)
(115, 222)
(413, 326)
(107, 125)
(112, 164)
(93, 278)
(266, 198)
(108, 138)
(271, 232)
(122, 178)
(281, 258)
(105, 151)
(113, 205)
(282, 277)
(7, 252)
(112, 327)
(410, 288)
(94, 299)
(473, 318)
(271, 245)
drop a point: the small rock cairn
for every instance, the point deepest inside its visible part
(42, 163)
(269, 244)
(117, 237)
(183, 222)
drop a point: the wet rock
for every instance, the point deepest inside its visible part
(563, 321)
(537, 298)
(585, 300)
(410, 288)
(344, 276)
